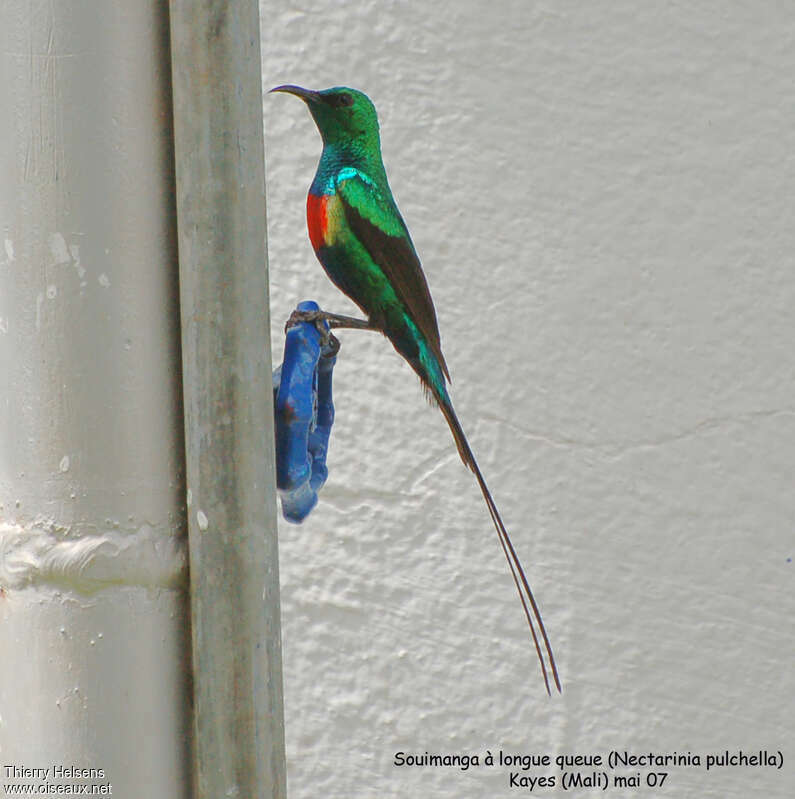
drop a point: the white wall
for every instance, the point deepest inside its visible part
(602, 199)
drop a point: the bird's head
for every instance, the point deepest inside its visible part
(343, 115)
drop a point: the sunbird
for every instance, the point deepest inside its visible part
(364, 246)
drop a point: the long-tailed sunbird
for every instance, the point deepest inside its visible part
(362, 242)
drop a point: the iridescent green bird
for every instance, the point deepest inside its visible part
(363, 244)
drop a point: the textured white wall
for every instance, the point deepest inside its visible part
(602, 200)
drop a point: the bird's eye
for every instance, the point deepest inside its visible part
(345, 99)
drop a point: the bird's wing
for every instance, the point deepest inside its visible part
(377, 224)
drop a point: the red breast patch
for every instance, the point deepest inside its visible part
(316, 219)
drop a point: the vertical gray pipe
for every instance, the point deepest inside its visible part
(228, 402)
(93, 603)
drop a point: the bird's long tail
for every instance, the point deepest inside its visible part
(531, 610)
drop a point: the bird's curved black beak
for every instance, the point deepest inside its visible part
(307, 95)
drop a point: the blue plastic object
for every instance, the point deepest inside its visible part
(304, 413)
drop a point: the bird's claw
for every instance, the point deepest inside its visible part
(296, 317)
(329, 343)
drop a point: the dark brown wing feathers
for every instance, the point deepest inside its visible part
(397, 259)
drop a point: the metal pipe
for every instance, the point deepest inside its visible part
(93, 602)
(228, 402)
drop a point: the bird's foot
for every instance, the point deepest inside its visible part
(333, 319)
(329, 343)
(296, 317)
